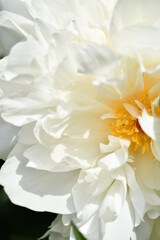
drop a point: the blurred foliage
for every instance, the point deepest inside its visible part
(18, 223)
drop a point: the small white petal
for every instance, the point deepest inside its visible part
(150, 125)
(8, 138)
(113, 201)
(115, 160)
(95, 59)
(155, 146)
(131, 109)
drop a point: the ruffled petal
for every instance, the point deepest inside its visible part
(150, 125)
(125, 231)
(38, 190)
(8, 138)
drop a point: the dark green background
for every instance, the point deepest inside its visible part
(18, 223)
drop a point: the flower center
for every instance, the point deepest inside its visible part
(127, 126)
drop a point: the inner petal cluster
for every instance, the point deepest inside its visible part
(127, 126)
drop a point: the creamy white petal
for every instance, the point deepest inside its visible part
(57, 161)
(150, 125)
(136, 37)
(28, 105)
(58, 231)
(89, 228)
(76, 153)
(155, 146)
(94, 191)
(26, 135)
(121, 32)
(38, 190)
(115, 229)
(144, 230)
(144, 11)
(8, 138)
(113, 202)
(131, 109)
(114, 144)
(39, 158)
(15, 6)
(94, 59)
(32, 64)
(148, 171)
(136, 195)
(115, 160)
(13, 28)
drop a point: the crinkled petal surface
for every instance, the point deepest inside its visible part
(37, 189)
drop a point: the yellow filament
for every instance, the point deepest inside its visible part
(127, 126)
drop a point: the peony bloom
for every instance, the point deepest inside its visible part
(84, 86)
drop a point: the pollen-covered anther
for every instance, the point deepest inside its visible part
(127, 126)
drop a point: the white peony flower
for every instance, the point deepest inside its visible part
(83, 84)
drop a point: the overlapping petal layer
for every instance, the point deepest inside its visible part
(81, 81)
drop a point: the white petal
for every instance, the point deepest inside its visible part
(115, 160)
(144, 230)
(13, 28)
(122, 227)
(137, 37)
(58, 231)
(36, 189)
(39, 157)
(15, 6)
(148, 171)
(123, 18)
(72, 235)
(82, 125)
(131, 109)
(94, 192)
(151, 196)
(114, 144)
(81, 200)
(155, 146)
(27, 105)
(77, 153)
(65, 74)
(49, 11)
(95, 59)
(33, 62)
(150, 125)
(89, 229)
(113, 201)
(26, 135)
(8, 38)
(8, 138)
(136, 195)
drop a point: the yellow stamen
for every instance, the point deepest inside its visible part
(127, 126)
